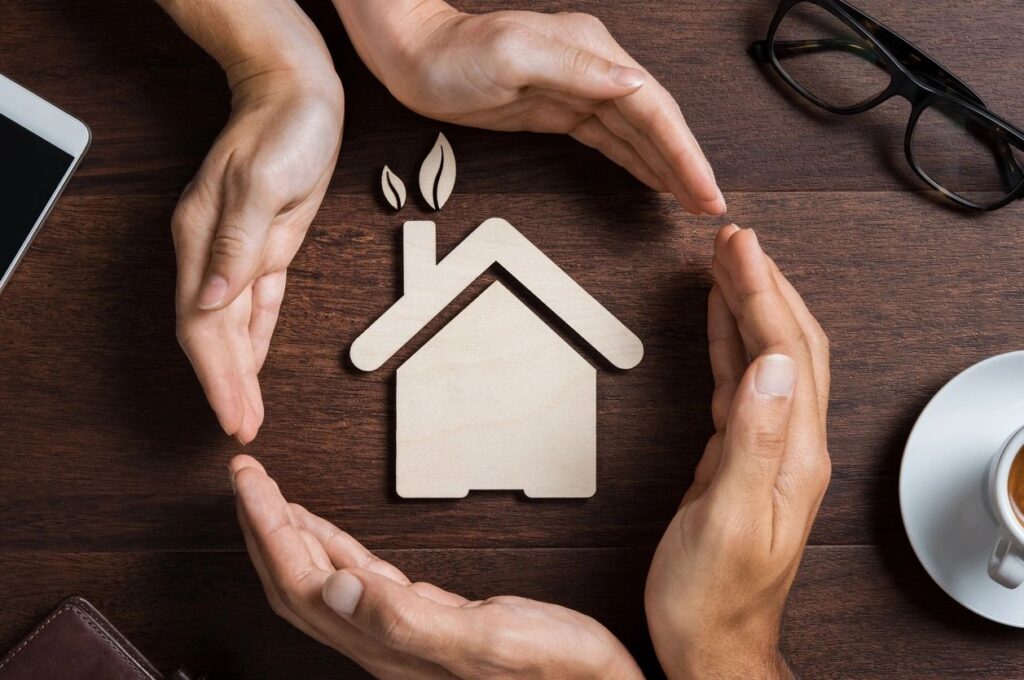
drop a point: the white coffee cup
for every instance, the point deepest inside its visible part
(1006, 565)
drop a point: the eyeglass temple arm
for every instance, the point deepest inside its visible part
(786, 48)
(1009, 169)
(924, 66)
(913, 58)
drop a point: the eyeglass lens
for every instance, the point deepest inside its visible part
(964, 155)
(828, 58)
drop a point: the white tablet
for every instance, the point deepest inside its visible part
(40, 146)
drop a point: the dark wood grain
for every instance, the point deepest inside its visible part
(115, 483)
(853, 613)
(155, 101)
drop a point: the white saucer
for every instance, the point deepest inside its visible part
(943, 488)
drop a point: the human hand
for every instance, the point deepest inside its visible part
(721, 574)
(561, 73)
(326, 584)
(242, 218)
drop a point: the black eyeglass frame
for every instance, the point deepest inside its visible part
(916, 77)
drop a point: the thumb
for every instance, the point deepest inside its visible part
(757, 429)
(398, 617)
(236, 250)
(558, 66)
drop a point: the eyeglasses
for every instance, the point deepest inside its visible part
(846, 62)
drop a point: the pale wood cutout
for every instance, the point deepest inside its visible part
(437, 173)
(393, 188)
(496, 399)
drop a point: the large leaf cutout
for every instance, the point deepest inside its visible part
(393, 188)
(437, 174)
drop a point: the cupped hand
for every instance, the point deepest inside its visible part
(238, 225)
(329, 586)
(512, 70)
(721, 574)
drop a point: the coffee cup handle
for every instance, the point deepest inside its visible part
(1006, 566)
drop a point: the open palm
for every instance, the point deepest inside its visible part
(560, 73)
(236, 229)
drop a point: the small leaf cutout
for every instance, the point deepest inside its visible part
(437, 174)
(393, 188)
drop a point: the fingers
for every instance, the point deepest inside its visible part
(550, 64)
(343, 550)
(816, 339)
(758, 431)
(658, 116)
(613, 118)
(269, 589)
(764, 318)
(216, 343)
(728, 357)
(267, 295)
(346, 552)
(221, 353)
(728, 364)
(236, 250)
(401, 618)
(595, 134)
(650, 109)
(284, 551)
(769, 324)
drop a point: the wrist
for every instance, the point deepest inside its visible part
(723, 664)
(738, 650)
(265, 40)
(387, 35)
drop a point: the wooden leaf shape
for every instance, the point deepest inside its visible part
(437, 174)
(393, 188)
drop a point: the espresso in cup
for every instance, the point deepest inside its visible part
(1015, 486)
(1006, 500)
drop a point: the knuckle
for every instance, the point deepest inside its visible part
(587, 22)
(185, 221)
(507, 40)
(579, 63)
(393, 626)
(506, 37)
(251, 176)
(768, 437)
(231, 242)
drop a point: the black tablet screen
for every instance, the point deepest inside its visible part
(30, 172)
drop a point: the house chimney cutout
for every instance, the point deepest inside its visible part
(496, 399)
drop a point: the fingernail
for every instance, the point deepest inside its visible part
(213, 291)
(720, 205)
(757, 243)
(624, 76)
(231, 476)
(776, 375)
(342, 592)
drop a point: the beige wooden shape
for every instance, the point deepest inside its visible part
(437, 173)
(393, 188)
(433, 285)
(496, 400)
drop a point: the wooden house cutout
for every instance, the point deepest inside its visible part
(496, 399)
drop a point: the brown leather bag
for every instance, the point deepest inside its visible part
(76, 642)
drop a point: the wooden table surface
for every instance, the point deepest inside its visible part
(114, 483)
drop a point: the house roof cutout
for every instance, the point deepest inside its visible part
(430, 286)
